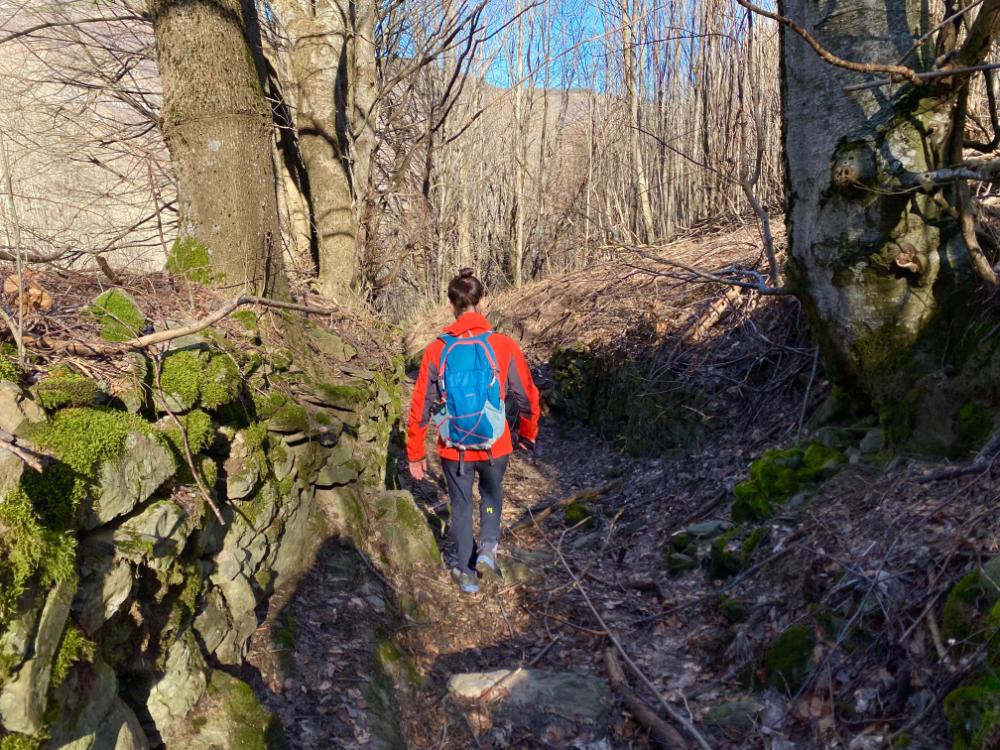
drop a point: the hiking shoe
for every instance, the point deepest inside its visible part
(486, 561)
(467, 582)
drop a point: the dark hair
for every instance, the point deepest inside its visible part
(465, 290)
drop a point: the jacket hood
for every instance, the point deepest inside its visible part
(470, 323)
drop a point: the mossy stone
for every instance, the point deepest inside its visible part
(678, 562)
(65, 388)
(220, 383)
(787, 662)
(973, 713)
(778, 475)
(118, 315)
(180, 378)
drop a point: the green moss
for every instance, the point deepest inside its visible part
(778, 475)
(285, 635)
(118, 315)
(220, 382)
(74, 647)
(253, 727)
(64, 388)
(30, 551)
(209, 469)
(247, 319)
(192, 585)
(181, 377)
(20, 742)
(10, 369)
(788, 659)
(725, 559)
(396, 665)
(36, 517)
(752, 542)
(578, 514)
(200, 430)
(343, 395)
(190, 259)
(280, 359)
(733, 610)
(971, 612)
(282, 413)
(973, 713)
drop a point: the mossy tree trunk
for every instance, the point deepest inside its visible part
(879, 256)
(218, 126)
(331, 46)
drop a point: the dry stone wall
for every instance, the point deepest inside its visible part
(125, 604)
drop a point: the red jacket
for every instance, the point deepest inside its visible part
(515, 383)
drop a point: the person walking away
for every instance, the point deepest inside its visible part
(467, 377)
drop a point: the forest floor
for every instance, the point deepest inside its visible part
(857, 570)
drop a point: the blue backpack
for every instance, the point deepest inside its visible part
(471, 414)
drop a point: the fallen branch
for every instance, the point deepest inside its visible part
(984, 460)
(665, 734)
(26, 453)
(759, 283)
(539, 513)
(161, 337)
(672, 712)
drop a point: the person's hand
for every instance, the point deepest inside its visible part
(523, 444)
(418, 469)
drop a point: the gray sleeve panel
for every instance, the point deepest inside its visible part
(432, 394)
(516, 391)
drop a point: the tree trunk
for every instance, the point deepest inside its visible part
(217, 125)
(317, 38)
(334, 86)
(881, 264)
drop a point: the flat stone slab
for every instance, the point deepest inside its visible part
(580, 696)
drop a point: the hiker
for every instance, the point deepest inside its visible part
(467, 377)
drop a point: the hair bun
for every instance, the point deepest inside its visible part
(466, 273)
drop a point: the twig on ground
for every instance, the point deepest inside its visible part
(665, 734)
(674, 714)
(984, 460)
(540, 512)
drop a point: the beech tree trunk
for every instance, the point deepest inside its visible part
(218, 127)
(333, 88)
(882, 264)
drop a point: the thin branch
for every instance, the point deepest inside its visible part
(759, 285)
(160, 337)
(15, 445)
(894, 71)
(674, 714)
(924, 77)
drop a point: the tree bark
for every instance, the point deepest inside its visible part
(218, 128)
(334, 87)
(881, 264)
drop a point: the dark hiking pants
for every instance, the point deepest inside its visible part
(460, 492)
